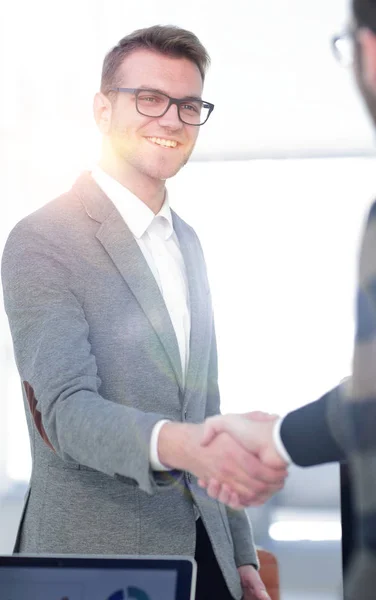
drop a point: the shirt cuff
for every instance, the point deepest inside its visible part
(156, 465)
(278, 442)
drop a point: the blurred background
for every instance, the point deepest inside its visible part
(277, 189)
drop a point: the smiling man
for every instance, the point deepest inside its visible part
(109, 307)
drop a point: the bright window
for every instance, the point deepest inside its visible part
(280, 239)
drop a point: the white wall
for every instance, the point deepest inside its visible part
(280, 239)
(277, 89)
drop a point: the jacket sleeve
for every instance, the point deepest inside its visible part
(313, 434)
(44, 301)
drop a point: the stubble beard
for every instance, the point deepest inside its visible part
(160, 169)
(368, 95)
(130, 153)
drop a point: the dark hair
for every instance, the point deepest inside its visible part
(365, 13)
(165, 39)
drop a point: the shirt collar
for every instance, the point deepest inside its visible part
(135, 213)
(164, 217)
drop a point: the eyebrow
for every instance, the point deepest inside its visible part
(147, 87)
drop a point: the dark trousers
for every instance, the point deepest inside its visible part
(210, 582)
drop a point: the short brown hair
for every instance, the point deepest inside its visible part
(365, 13)
(166, 39)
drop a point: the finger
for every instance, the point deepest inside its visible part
(212, 427)
(248, 497)
(243, 472)
(202, 483)
(259, 591)
(224, 494)
(263, 473)
(258, 415)
(243, 464)
(230, 498)
(254, 584)
(260, 594)
(256, 495)
(267, 490)
(270, 488)
(234, 502)
(255, 502)
(250, 501)
(213, 488)
(248, 486)
(254, 476)
(231, 424)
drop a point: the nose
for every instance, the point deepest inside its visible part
(171, 118)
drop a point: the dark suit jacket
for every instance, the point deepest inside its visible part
(307, 434)
(342, 424)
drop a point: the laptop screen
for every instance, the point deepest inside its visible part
(74, 578)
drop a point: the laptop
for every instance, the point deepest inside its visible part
(70, 577)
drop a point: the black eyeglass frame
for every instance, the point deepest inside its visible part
(171, 101)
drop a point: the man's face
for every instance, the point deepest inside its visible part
(138, 140)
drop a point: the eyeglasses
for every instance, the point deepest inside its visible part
(343, 47)
(152, 103)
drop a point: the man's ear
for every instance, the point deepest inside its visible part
(367, 43)
(102, 108)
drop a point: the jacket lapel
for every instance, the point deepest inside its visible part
(199, 304)
(119, 243)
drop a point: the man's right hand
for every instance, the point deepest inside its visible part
(254, 431)
(239, 474)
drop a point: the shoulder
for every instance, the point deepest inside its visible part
(54, 220)
(48, 230)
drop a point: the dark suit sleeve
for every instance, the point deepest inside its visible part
(307, 435)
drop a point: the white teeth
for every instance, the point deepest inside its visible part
(162, 142)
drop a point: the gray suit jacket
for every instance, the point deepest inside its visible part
(99, 362)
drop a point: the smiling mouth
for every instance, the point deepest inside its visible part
(162, 142)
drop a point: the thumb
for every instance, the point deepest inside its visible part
(211, 428)
(259, 415)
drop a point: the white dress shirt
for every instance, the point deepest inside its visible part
(159, 244)
(279, 444)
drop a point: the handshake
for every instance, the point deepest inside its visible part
(234, 457)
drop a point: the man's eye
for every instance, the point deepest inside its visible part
(150, 99)
(190, 108)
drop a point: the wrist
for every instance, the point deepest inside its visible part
(174, 444)
(155, 463)
(278, 443)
